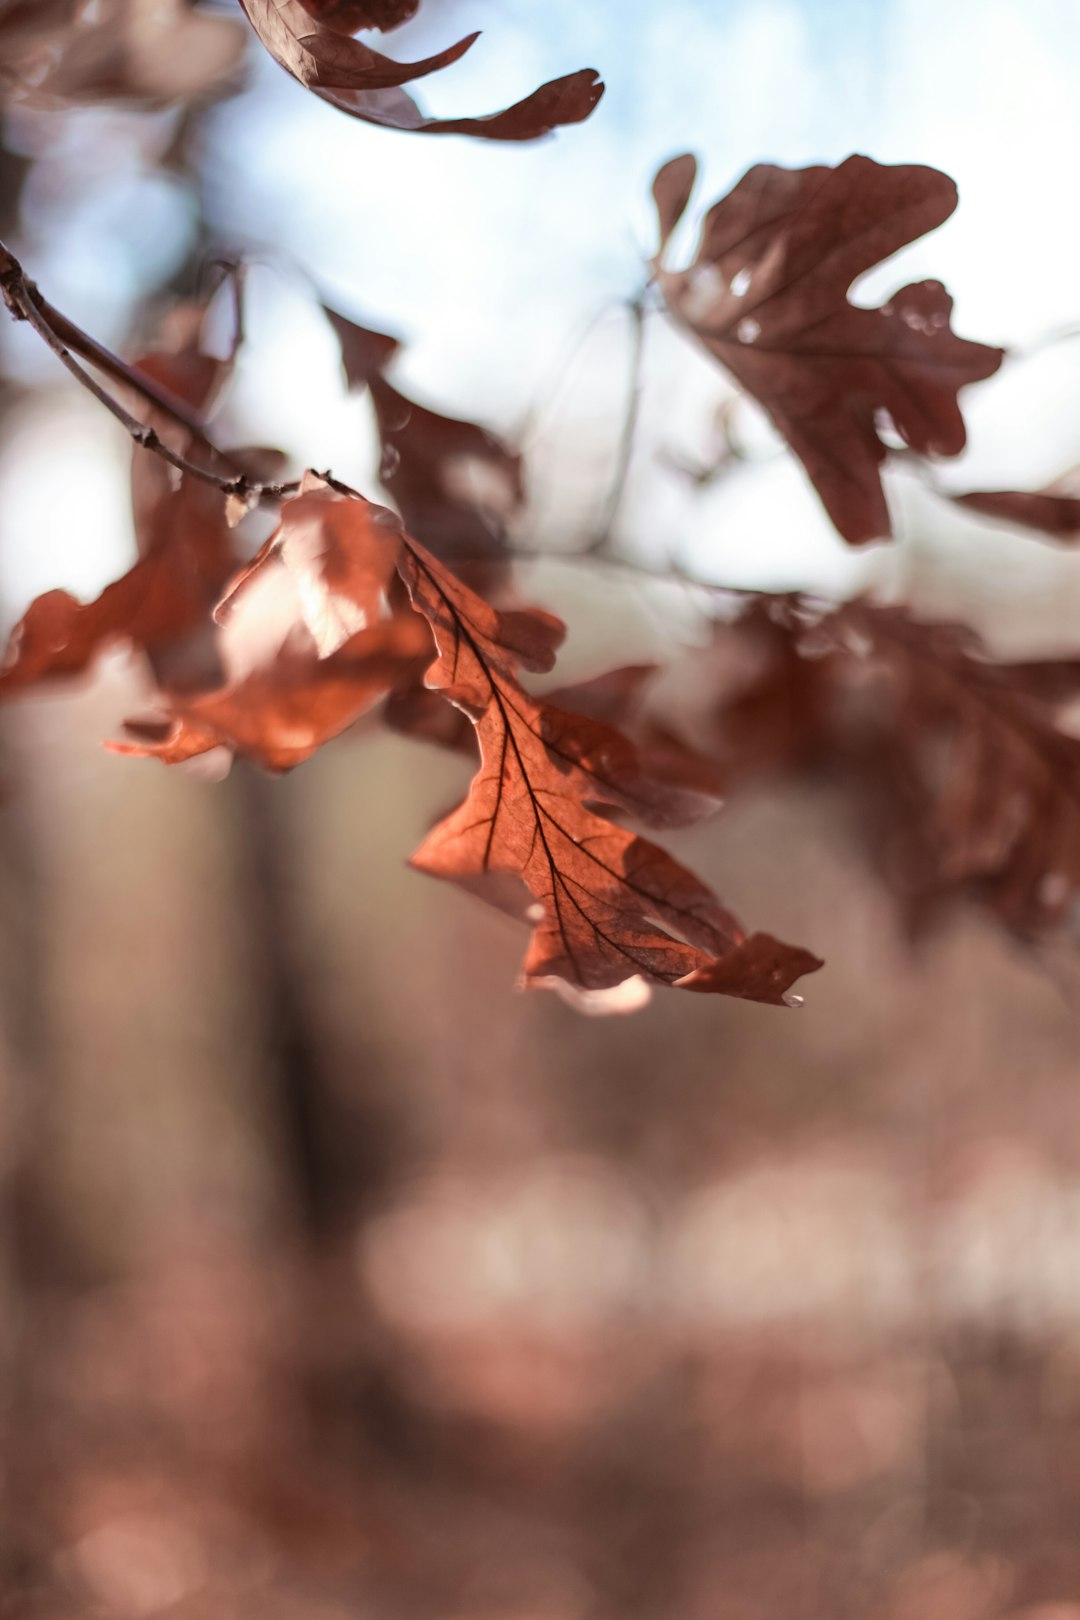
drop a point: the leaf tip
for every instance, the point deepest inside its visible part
(672, 188)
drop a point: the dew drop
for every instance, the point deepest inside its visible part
(391, 461)
(748, 329)
(740, 283)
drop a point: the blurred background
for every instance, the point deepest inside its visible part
(337, 1278)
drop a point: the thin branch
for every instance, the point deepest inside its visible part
(625, 452)
(24, 300)
(670, 572)
(528, 427)
(1045, 340)
(67, 341)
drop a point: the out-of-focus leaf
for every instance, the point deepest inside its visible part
(350, 16)
(457, 485)
(364, 351)
(672, 189)
(146, 52)
(367, 85)
(1056, 516)
(966, 779)
(281, 714)
(778, 682)
(767, 296)
(340, 647)
(329, 63)
(990, 777)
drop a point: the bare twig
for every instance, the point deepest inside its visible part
(668, 572)
(71, 346)
(625, 451)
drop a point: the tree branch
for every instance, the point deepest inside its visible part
(66, 341)
(624, 453)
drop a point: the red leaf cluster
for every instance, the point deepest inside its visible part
(145, 52)
(535, 832)
(965, 771)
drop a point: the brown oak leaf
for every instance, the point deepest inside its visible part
(350, 16)
(457, 485)
(778, 670)
(338, 648)
(608, 908)
(1054, 515)
(367, 85)
(766, 294)
(690, 784)
(365, 352)
(963, 773)
(989, 776)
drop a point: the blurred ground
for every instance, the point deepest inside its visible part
(462, 1305)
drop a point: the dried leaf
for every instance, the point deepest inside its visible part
(340, 647)
(672, 190)
(342, 556)
(364, 351)
(620, 698)
(146, 52)
(328, 63)
(283, 713)
(993, 781)
(367, 85)
(162, 605)
(457, 485)
(568, 100)
(648, 770)
(966, 781)
(607, 907)
(778, 675)
(1056, 516)
(767, 296)
(350, 16)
